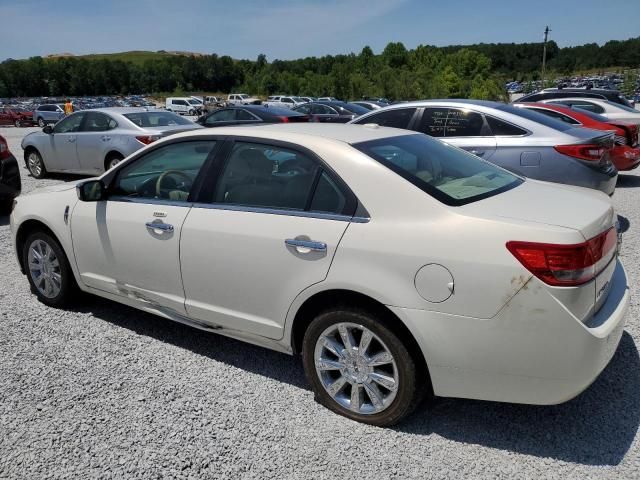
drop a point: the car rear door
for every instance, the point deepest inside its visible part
(94, 141)
(128, 245)
(266, 228)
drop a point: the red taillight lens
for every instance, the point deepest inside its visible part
(592, 153)
(566, 265)
(147, 139)
(284, 119)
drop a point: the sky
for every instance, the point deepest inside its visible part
(289, 29)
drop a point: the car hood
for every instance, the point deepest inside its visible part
(586, 210)
(60, 187)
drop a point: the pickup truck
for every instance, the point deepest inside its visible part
(284, 101)
(242, 99)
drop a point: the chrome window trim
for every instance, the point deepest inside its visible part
(283, 211)
(150, 201)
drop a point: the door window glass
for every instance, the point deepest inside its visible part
(98, 122)
(244, 115)
(589, 106)
(69, 124)
(221, 116)
(165, 173)
(257, 175)
(327, 197)
(397, 118)
(500, 128)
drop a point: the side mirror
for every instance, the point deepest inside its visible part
(48, 129)
(91, 191)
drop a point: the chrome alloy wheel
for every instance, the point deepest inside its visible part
(34, 163)
(44, 268)
(356, 368)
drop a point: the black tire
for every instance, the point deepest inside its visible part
(17, 123)
(410, 390)
(41, 122)
(33, 160)
(112, 160)
(191, 113)
(68, 286)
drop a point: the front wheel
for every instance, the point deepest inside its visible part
(35, 164)
(358, 367)
(48, 270)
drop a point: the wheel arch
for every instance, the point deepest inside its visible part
(25, 229)
(110, 154)
(27, 150)
(327, 299)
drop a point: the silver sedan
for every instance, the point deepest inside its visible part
(92, 141)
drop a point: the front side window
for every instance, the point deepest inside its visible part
(166, 173)
(70, 124)
(447, 173)
(397, 118)
(98, 122)
(453, 122)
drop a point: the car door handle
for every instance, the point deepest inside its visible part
(478, 153)
(165, 227)
(105, 138)
(308, 245)
(71, 139)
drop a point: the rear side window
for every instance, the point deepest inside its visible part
(502, 128)
(556, 115)
(535, 117)
(447, 173)
(327, 197)
(156, 119)
(244, 115)
(397, 118)
(98, 122)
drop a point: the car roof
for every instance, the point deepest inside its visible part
(123, 110)
(447, 101)
(308, 132)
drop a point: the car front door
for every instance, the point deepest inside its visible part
(128, 244)
(62, 154)
(268, 230)
(462, 128)
(95, 141)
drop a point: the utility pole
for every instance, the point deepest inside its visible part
(544, 52)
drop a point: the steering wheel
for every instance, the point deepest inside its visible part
(164, 175)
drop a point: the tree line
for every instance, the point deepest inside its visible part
(476, 71)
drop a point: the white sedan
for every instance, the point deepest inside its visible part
(609, 110)
(396, 265)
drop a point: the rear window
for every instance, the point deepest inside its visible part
(536, 117)
(445, 172)
(624, 107)
(156, 119)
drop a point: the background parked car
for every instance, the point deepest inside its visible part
(47, 113)
(625, 155)
(242, 99)
(251, 115)
(283, 101)
(10, 184)
(92, 141)
(370, 104)
(184, 105)
(333, 112)
(525, 142)
(609, 110)
(554, 93)
(16, 116)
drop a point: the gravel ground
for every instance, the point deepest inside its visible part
(107, 391)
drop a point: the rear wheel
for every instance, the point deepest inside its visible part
(17, 123)
(359, 368)
(48, 270)
(112, 160)
(36, 165)
(41, 122)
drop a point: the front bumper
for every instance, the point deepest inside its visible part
(10, 184)
(533, 351)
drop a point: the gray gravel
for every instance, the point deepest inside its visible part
(107, 391)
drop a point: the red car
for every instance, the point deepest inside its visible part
(16, 116)
(625, 154)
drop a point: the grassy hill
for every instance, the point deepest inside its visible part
(134, 56)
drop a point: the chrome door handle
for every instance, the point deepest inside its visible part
(478, 153)
(165, 227)
(105, 138)
(71, 139)
(306, 245)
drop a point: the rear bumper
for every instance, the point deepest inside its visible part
(10, 184)
(625, 158)
(533, 351)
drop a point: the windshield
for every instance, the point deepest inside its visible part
(445, 172)
(624, 107)
(156, 119)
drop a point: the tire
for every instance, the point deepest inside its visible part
(55, 286)
(35, 165)
(17, 123)
(41, 122)
(112, 160)
(191, 113)
(394, 401)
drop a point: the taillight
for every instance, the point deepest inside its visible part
(566, 265)
(4, 149)
(147, 139)
(592, 153)
(284, 119)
